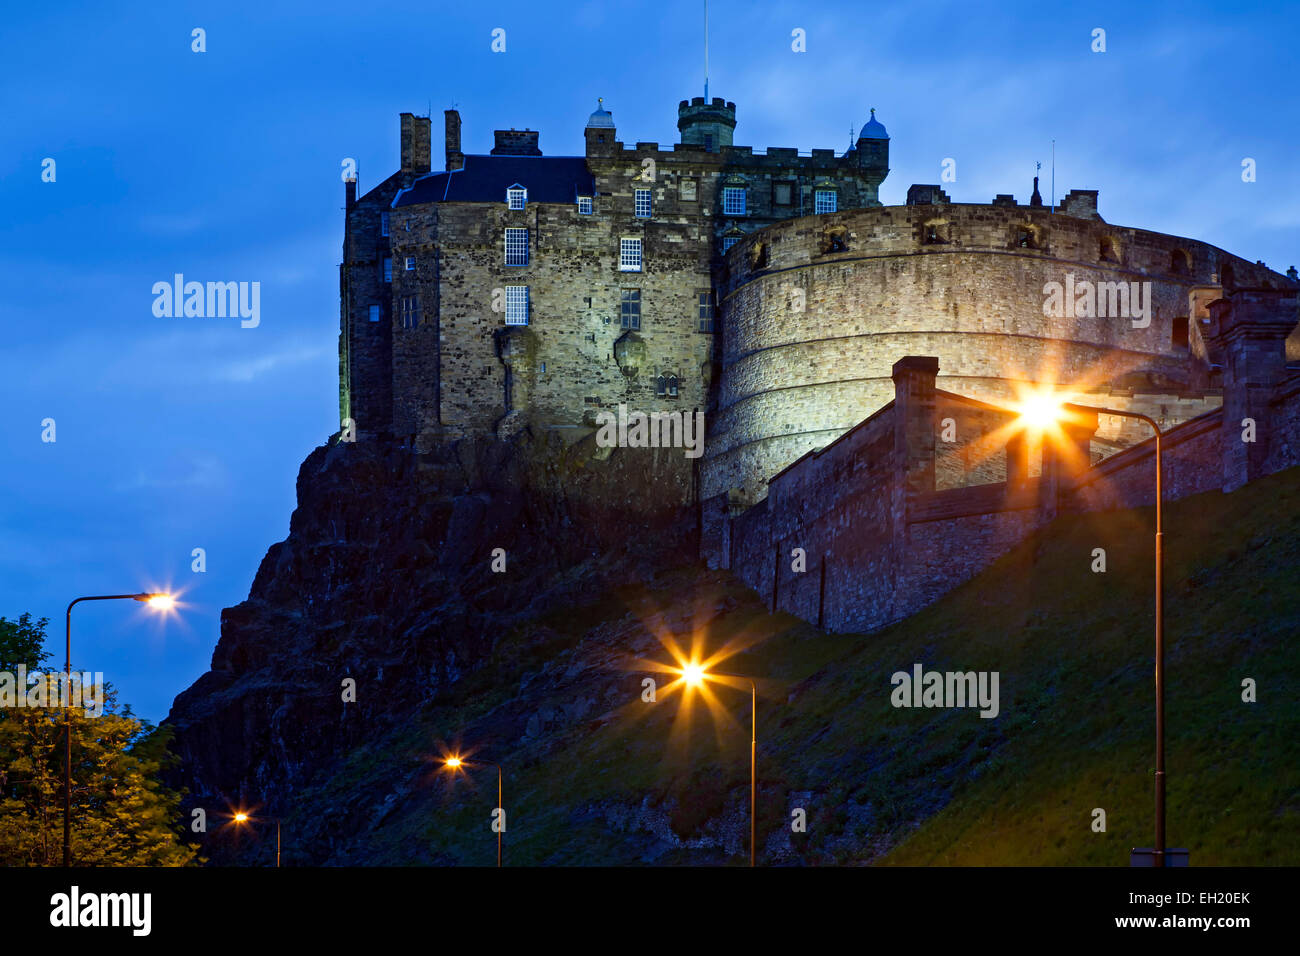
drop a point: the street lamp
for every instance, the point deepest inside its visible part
(454, 764)
(241, 817)
(694, 675)
(1041, 411)
(157, 601)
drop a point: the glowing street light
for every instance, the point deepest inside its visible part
(1041, 411)
(157, 601)
(694, 674)
(454, 763)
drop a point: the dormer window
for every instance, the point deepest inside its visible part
(516, 197)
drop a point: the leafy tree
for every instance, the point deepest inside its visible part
(121, 814)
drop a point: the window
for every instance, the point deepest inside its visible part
(708, 142)
(516, 247)
(410, 263)
(1178, 335)
(516, 197)
(666, 385)
(410, 311)
(728, 242)
(824, 200)
(1106, 250)
(642, 203)
(1180, 263)
(374, 313)
(686, 190)
(388, 269)
(733, 200)
(629, 255)
(629, 309)
(781, 194)
(704, 310)
(383, 223)
(516, 305)
(584, 205)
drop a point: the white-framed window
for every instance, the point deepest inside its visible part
(516, 305)
(629, 309)
(733, 200)
(516, 197)
(728, 242)
(629, 255)
(374, 313)
(824, 200)
(410, 263)
(704, 309)
(383, 223)
(388, 269)
(516, 247)
(410, 311)
(584, 205)
(642, 203)
(666, 385)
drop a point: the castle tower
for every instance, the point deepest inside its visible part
(710, 125)
(871, 155)
(600, 132)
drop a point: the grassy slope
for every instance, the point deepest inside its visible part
(897, 786)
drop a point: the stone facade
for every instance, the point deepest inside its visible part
(442, 361)
(814, 312)
(889, 518)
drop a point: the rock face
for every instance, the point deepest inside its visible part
(387, 579)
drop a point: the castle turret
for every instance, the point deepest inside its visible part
(871, 156)
(600, 132)
(710, 125)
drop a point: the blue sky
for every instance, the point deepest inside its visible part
(182, 433)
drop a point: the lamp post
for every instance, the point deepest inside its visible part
(454, 764)
(694, 675)
(242, 817)
(1042, 411)
(157, 601)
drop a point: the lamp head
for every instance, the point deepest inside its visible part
(693, 674)
(241, 817)
(452, 763)
(1041, 410)
(159, 602)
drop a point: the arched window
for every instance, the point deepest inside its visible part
(1025, 238)
(1227, 277)
(1180, 263)
(934, 234)
(1107, 250)
(834, 240)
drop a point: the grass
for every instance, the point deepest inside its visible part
(632, 783)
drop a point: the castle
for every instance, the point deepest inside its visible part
(774, 292)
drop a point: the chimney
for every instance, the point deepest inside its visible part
(350, 191)
(455, 158)
(513, 142)
(415, 144)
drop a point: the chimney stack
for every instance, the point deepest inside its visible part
(415, 144)
(350, 191)
(455, 158)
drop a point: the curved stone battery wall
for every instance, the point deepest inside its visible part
(816, 310)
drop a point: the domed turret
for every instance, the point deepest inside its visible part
(600, 133)
(602, 118)
(873, 129)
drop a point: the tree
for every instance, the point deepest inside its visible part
(122, 815)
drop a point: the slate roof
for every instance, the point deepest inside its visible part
(557, 179)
